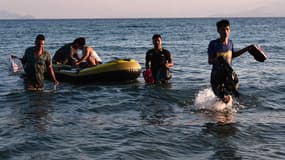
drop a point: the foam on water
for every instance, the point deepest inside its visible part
(206, 100)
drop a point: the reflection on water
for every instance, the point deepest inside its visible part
(220, 130)
(224, 148)
(35, 112)
(228, 152)
(158, 116)
(225, 117)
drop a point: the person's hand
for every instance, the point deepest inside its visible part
(166, 65)
(77, 63)
(227, 99)
(250, 47)
(56, 83)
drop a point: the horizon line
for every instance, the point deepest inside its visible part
(202, 17)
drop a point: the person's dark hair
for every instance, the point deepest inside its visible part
(80, 41)
(155, 36)
(40, 37)
(223, 23)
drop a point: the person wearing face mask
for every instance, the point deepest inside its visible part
(68, 54)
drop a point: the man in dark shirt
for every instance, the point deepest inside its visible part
(159, 60)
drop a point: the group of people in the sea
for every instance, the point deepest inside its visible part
(158, 60)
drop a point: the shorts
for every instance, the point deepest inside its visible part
(224, 81)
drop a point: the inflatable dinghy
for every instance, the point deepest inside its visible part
(121, 70)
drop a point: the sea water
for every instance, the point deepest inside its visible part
(139, 121)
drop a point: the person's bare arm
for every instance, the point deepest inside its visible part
(86, 54)
(241, 51)
(170, 63)
(52, 75)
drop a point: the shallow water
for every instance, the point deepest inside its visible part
(137, 121)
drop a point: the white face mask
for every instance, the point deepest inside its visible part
(79, 52)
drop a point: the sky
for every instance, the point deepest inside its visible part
(59, 9)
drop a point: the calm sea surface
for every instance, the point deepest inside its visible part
(137, 121)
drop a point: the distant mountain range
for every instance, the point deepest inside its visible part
(274, 9)
(10, 15)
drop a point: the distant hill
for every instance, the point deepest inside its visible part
(10, 15)
(274, 9)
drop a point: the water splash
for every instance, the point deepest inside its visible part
(206, 100)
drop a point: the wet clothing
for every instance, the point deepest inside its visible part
(218, 49)
(35, 67)
(223, 78)
(64, 55)
(158, 60)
